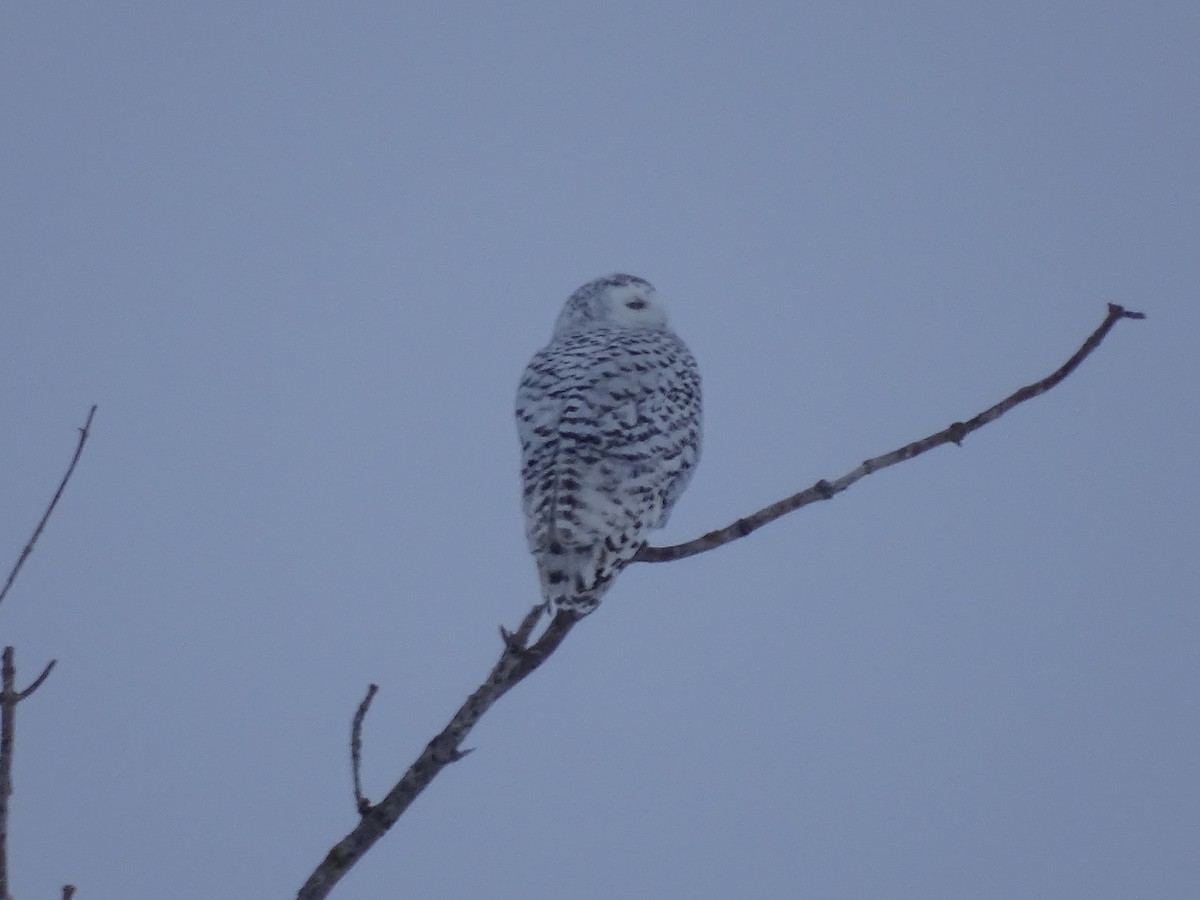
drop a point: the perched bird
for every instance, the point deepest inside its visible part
(609, 418)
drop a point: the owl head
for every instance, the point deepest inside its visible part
(623, 300)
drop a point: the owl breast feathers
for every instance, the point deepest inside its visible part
(609, 418)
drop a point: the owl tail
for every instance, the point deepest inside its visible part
(579, 604)
(575, 581)
(564, 588)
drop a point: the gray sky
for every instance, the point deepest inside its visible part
(299, 255)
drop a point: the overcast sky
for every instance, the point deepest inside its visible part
(299, 254)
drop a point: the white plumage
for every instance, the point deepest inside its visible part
(609, 419)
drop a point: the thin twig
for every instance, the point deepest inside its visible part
(37, 532)
(824, 490)
(360, 801)
(518, 660)
(519, 638)
(37, 682)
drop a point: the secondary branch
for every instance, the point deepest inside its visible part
(824, 490)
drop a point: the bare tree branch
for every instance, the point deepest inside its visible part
(515, 663)
(8, 708)
(519, 658)
(9, 698)
(360, 802)
(824, 490)
(37, 532)
(9, 695)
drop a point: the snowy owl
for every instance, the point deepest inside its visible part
(609, 419)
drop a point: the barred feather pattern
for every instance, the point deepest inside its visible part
(609, 418)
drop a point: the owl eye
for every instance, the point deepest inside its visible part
(635, 304)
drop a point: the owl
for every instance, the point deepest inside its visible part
(609, 418)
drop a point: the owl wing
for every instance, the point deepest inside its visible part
(669, 426)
